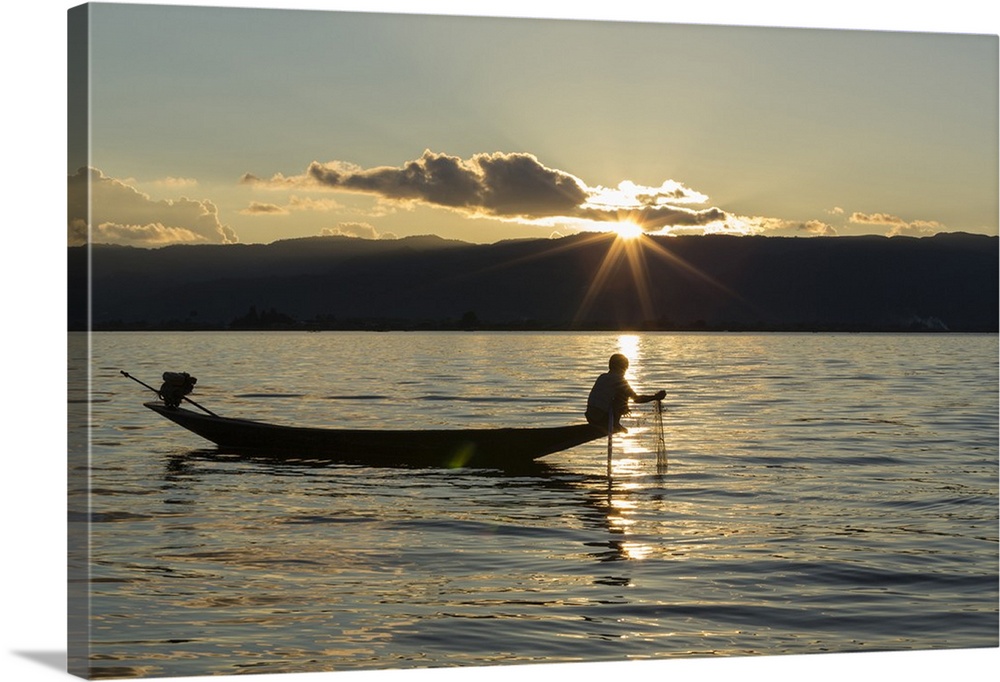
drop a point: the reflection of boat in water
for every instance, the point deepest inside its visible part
(500, 447)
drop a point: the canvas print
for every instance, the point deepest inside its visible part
(410, 341)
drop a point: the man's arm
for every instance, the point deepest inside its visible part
(659, 395)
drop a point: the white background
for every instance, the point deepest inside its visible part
(32, 547)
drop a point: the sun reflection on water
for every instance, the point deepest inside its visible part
(628, 345)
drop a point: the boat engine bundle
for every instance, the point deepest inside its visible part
(175, 386)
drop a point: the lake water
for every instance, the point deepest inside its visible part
(821, 493)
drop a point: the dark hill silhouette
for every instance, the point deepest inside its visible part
(946, 282)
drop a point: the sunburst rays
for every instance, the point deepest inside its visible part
(632, 252)
(637, 257)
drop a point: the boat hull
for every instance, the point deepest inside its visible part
(432, 447)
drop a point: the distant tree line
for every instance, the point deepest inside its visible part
(265, 320)
(272, 319)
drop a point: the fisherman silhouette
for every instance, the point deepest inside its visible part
(608, 399)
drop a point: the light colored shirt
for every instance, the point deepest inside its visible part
(610, 393)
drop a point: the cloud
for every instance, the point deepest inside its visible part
(629, 194)
(876, 219)
(898, 226)
(294, 204)
(507, 186)
(756, 225)
(360, 230)
(655, 218)
(817, 228)
(498, 185)
(77, 232)
(104, 209)
(259, 208)
(152, 234)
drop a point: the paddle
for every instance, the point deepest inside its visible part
(204, 409)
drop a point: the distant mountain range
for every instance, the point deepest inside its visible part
(944, 283)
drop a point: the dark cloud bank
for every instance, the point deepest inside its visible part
(498, 185)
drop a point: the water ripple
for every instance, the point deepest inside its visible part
(822, 493)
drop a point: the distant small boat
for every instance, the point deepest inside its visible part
(501, 447)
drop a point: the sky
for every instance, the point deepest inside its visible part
(248, 125)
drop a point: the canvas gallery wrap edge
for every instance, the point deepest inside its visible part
(411, 223)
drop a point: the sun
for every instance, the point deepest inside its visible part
(627, 230)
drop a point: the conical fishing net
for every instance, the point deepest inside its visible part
(645, 432)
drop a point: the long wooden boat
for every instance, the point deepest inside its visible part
(503, 447)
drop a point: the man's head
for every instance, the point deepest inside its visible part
(618, 363)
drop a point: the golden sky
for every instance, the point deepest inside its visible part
(221, 124)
